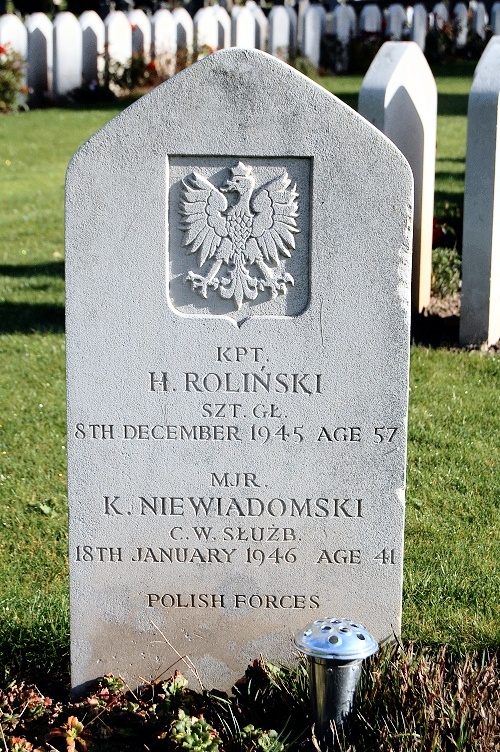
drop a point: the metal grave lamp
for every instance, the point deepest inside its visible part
(335, 649)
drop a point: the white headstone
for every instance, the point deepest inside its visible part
(185, 30)
(223, 26)
(141, 33)
(118, 32)
(370, 19)
(461, 24)
(480, 308)
(399, 96)
(343, 23)
(206, 32)
(312, 32)
(441, 15)
(420, 25)
(93, 41)
(13, 34)
(164, 33)
(261, 25)
(242, 27)
(495, 18)
(480, 20)
(396, 22)
(279, 32)
(40, 57)
(67, 70)
(236, 461)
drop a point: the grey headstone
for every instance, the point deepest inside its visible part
(236, 461)
(480, 309)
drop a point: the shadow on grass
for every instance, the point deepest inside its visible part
(20, 318)
(53, 269)
(435, 331)
(452, 104)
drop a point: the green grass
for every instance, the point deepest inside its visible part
(454, 425)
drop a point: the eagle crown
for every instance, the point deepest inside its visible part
(242, 182)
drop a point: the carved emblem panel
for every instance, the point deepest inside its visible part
(238, 236)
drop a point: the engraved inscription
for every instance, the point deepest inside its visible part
(252, 230)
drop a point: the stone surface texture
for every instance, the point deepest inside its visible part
(480, 311)
(236, 462)
(399, 96)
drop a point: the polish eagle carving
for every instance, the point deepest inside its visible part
(241, 241)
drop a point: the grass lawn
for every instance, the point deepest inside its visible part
(451, 575)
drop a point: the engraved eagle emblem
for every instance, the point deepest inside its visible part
(242, 240)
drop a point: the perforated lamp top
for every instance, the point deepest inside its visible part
(336, 639)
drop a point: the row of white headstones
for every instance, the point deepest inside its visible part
(63, 55)
(398, 95)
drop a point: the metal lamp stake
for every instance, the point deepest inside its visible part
(335, 649)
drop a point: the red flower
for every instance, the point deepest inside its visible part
(3, 51)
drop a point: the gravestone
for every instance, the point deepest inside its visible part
(294, 24)
(396, 21)
(93, 41)
(40, 58)
(344, 23)
(479, 20)
(185, 30)
(118, 35)
(164, 36)
(13, 34)
(441, 15)
(313, 28)
(242, 28)
(495, 19)
(67, 54)
(399, 96)
(370, 19)
(141, 33)
(238, 280)
(461, 24)
(206, 32)
(223, 26)
(261, 25)
(279, 32)
(420, 21)
(480, 307)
